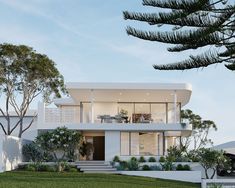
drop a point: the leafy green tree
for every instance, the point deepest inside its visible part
(24, 75)
(212, 159)
(191, 25)
(61, 140)
(200, 131)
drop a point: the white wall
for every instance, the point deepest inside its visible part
(188, 176)
(10, 152)
(29, 134)
(112, 144)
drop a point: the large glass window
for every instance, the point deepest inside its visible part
(135, 140)
(142, 113)
(141, 143)
(158, 113)
(127, 108)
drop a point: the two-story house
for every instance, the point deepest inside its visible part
(123, 119)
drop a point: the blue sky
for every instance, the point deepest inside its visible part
(87, 40)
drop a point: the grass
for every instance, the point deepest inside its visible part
(22, 179)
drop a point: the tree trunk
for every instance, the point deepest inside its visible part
(21, 127)
(214, 171)
(207, 177)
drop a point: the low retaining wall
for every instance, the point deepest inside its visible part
(10, 152)
(229, 183)
(187, 176)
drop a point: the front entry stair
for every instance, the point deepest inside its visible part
(95, 167)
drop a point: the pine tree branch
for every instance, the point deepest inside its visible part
(202, 60)
(179, 4)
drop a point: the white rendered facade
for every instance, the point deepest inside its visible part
(124, 119)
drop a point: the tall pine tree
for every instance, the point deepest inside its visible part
(194, 24)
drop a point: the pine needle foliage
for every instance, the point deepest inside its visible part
(194, 24)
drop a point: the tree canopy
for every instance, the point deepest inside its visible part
(24, 75)
(193, 24)
(200, 130)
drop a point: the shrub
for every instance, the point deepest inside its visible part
(187, 167)
(123, 165)
(42, 168)
(51, 169)
(174, 153)
(32, 152)
(152, 159)
(116, 159)
(145, 167)
(167, 166)
(182, 159)
(133, 165)
(22, 167)
(156, 168)
(30, 167)
(73, 169)
(162, 159)
(133, 159)
(179, 167)
(142, 159)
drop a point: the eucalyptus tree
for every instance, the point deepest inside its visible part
(193, 24)
(200, 131)
(25, 75)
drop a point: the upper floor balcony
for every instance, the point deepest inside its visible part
(104, 106)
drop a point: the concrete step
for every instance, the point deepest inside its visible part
(98, 169)
(95, 167)
(100, 172)
(92, 164)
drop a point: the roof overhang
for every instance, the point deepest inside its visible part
(128, 92)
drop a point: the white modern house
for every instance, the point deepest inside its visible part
(123, 119)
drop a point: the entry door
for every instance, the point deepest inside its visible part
(98, 143)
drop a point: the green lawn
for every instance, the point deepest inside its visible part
(22, 179)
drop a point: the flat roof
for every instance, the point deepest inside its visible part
(126, 92)
(129, 86)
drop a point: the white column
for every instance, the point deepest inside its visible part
(175, 106)
(92, 106)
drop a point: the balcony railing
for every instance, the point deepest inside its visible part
(57, 115)
(72, 115)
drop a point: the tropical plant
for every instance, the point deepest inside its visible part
(133, 164)
(174, 153)
(24, 75)
(87, 149)
(193, 24)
